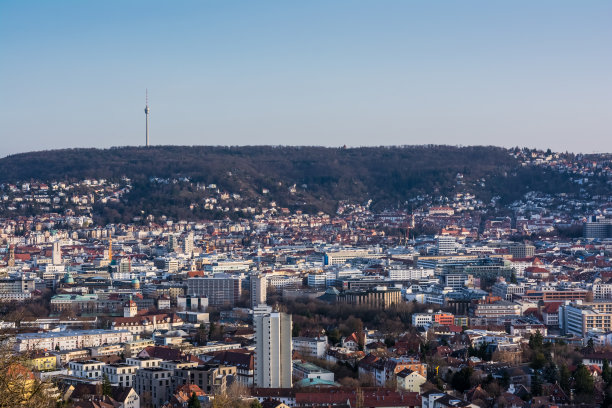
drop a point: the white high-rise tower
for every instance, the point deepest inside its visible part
(273, 346)
(259, 285)
(147, 110)
(56, 257)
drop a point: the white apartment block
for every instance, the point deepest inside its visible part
(120, 374)
(259, 286)
(311, 346)
(273, 362)
(144, 362)
(90, 370)
(70, 340)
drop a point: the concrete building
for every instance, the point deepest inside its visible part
(153, 385)
(310, 346)
(598, 227)
(380, 297)
(192, 303)
(445, 245)
(220, 289)
(211, 378)
(258, 290)
(579, 318)
(422, 319)
(56, 256)
(273, 363)
(507, 291)
(497, 309)
(120, 374)
(305, 370)
(521, 251)
(70, 339)
(90, 369)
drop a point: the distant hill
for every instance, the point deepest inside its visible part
(389, 176)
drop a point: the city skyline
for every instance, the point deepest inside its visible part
(346, 73)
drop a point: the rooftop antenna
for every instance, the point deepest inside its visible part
(147, 110)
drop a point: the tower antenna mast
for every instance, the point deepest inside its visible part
(147, 110)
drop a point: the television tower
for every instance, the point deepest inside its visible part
(147, 110)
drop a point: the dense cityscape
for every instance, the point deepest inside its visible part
(455, 302)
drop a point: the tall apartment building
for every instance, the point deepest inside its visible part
(521, 251)
(56, 257)
(258, 290)
(188, 244)
(219, 289)
(273, 349)
(153, 385)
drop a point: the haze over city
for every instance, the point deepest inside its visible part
(354, 73)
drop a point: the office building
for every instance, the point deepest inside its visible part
(521, 251)
(445, 245)
(220, 289)
(598, 227)
(579, 317)
(379, 297)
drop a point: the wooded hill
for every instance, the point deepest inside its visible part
(389, 176)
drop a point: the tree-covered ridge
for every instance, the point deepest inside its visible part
(302, 177)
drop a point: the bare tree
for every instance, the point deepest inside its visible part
(19, 387)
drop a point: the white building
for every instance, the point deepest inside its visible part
(120, 374)
(70, 339)
(422, 319)
(258, 290)
(602, 291)
(56, 256)
(446, 245)
(410, 274)
(90, 370)
(273, 363)
(305, 370)
(311, 346)
(144, 362)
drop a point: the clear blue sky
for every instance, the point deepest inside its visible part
(528, 73)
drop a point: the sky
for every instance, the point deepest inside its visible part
(330, 72)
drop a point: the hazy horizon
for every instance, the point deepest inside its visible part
(355, 73)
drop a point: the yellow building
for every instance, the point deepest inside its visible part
(44, 361)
